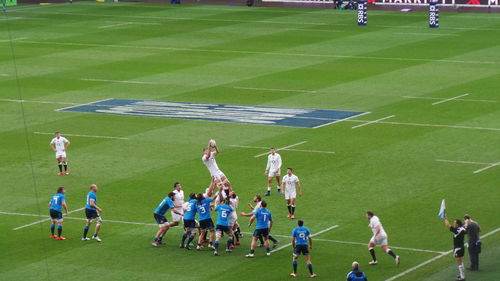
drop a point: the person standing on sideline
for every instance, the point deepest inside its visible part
(458, 244)
(356, 274)
(273, 170)
(472, 230)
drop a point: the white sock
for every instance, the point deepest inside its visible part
(268, 188)
(461, 271)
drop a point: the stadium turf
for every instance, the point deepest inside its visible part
(441, 85)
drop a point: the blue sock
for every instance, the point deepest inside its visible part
(229, 242)
(184, 236)
(85, 231)
(310, 267)
(216, 245)
(52, 227)
(59, 230)
(294, 263)
(268, 249)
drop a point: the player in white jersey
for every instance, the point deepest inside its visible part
(60, 145)
(178, 203)
(273, 169)
(217, 175)
(233, 221)
(289, 182)
(379, 238)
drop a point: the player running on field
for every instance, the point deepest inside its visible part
(159, 215)
(205, 219)
(263, 227)
(379, 238)
(300, 238)
(178, 203)
(217, 175)
(458, 245)
(223, 216)
(273, 169)
(289, 182)
(56, 203)
(60, 145)
(189, 221)
(92, 212)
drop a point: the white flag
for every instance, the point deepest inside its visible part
(442, 210)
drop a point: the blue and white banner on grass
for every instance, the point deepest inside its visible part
(442, 210)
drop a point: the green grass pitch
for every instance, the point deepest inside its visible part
(303, 58)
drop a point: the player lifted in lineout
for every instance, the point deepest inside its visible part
(273, 169)
(217, 175)
(60, 145)
(379, 238)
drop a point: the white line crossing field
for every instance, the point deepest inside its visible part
(373, 121)
(275, 90)
(119, 81)
(44, 220)
(433, 98)
(281, 148)
(39, 101)
(312, 235)
(450, 99)
(488, 165)
(340, 120)
(84, 136)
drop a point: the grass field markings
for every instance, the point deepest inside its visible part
(13, 39)
(365, 244)
(255, 52)
(434, 258)
(44, 220)
(281, 148)
(4, 74)
(39, 101)
(373, 121)
(463, 162)
(431, 125)
(340, 120)
(115, 25)
(486, 168)
(319, 30)
(82, 104)
(85, 136)
(450, 99)
(275, 90)
(129, 23)
(433, 98)
(286, 149)
(426, 34)
(119, 81)
(312, 235)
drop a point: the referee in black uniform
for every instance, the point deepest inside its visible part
(472, 230)
(458, 245)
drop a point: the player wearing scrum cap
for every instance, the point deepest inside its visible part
(379, 238)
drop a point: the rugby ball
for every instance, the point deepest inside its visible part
(212, 143)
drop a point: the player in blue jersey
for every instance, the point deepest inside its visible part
(189, 221)
(300, 238)
(92, 212)
(203, 206)
(159, 214)
(224, 212)
(56, 203)
(263, 227)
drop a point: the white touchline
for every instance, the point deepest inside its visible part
(463, 162)
(341, 120)
(281, 148)
(276, 90)
(453, 98)
(286, 149)
(85, 136)
(431, 125)
(425, 34)
(433, 98)
(373, 121)
(320, 30)
(487, 167)
(115, 25)
(312, 235)
(4, 74)
(434, 258)
(13, 39)
(44, 220)
(38, 101)
(118, 81)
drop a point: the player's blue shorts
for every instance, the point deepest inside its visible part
(160, 219)
(55, 215)
(91, 214)
(189, 224)
(264, 232)
(301, 249)
(222, 228)
(207, 224)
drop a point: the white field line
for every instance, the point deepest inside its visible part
(393, 247)
(432, 125)
(115, 25)
(373, 121)
(85, 136)
(81, 104)
(39, 101)
(4, 74)
(312, 235)
(13, 39)
(450, 99)
(425, 34)
(487, 167)
(286, 149)
(432, 98)
(44, 220)
(434, 258)
(463, 162)
(281, 148)
(340, 120)
(314, 30)
(255, 52)
(275, 90)
(118, 81)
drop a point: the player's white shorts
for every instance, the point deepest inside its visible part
(290, 193)
(379, 240)
(274, 174)
(233, 218)
(176, 217)
(218, 176)
(60, 154)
